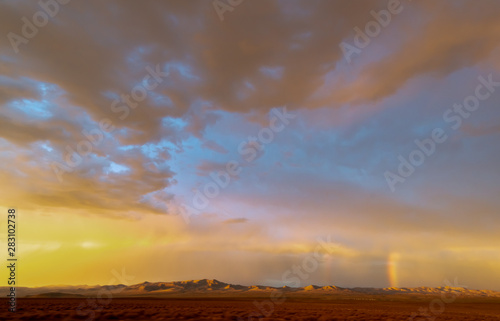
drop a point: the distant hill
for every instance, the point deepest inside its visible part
(51, 295)
(212, 287)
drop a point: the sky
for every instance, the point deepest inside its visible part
(270, 142)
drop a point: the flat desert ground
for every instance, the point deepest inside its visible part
(242, 308)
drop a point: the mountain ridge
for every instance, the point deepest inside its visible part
(214, 286)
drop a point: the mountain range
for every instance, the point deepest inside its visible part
(212, 287)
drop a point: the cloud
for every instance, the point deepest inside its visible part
(322, 175)
(481, 130)
(236, 220)
(206, 167)
(210, 144)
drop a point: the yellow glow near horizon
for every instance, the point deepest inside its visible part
(69, 248)
(61, 248)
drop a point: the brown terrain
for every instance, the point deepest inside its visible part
(214, 300)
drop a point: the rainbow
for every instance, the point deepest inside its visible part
(392, 269)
